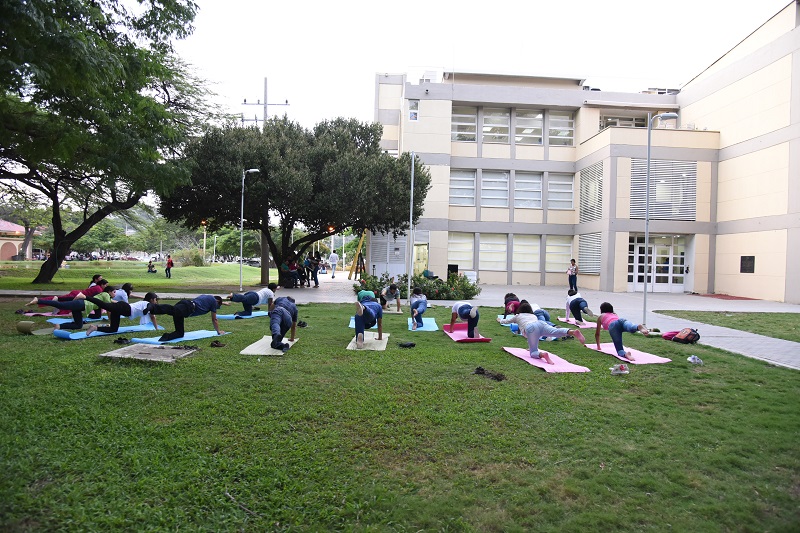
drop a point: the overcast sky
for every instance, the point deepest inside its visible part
(322, 56)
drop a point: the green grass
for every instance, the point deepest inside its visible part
(218, 277)
(402, 440)
(778, 325)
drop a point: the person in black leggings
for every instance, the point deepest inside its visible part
(117, 310)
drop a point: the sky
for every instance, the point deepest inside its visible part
(323, 56)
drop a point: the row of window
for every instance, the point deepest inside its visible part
(525, 252)
(497, 187)
(528, 126)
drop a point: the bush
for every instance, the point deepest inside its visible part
(455, 288)
(188, 257)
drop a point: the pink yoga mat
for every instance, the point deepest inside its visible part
(49, 313)
(560, 365)
(570, 320)
(640, 358)
(459, 333)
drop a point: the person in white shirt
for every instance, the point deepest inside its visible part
(333, 259)
(469, 313)
(255, 298)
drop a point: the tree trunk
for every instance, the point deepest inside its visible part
(26, 243)
(264, 259)
(49, 268)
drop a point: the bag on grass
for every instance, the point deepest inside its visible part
(687, 336)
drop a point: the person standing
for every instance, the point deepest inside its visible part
(168, 268)
(572, 275)
(333, 259)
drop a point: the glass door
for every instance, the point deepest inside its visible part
(667, 268)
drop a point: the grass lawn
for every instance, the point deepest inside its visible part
(778, 325)
(217, 278)
(323, 438)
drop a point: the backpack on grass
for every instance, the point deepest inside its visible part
(687, 336)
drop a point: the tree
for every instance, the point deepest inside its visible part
(94, 107)
(325, 181)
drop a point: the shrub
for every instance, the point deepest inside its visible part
(456, 287)
(188, 257)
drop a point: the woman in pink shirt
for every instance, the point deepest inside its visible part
(615, 325)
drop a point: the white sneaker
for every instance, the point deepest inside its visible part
(360, 341)
(473, 312)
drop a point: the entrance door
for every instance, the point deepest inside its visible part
(420, 258)
(667, 258)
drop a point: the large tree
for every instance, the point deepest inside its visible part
(94, 106)
(325, 181)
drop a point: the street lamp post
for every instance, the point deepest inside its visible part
(241, 225)
(203, 223)
(650, 120)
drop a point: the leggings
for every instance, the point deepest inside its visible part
(76, 306)
(115, 311)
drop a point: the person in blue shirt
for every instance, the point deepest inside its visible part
(368, 313)
(282, 318)
(205, 303)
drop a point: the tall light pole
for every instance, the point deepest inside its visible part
(203, 223)
(650, 120)
(241, 225)
(410, 271)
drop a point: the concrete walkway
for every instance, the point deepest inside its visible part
(629, 305)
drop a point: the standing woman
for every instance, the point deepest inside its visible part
(168, 268)
(572, 275)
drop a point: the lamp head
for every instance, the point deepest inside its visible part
(667, 116)
(252, 171)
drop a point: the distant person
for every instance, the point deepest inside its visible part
(124, 293)
(282, 318)
(315, 265)
(368, 313)
(419, 304)
(390, 294)
(265, 296)
(151, 269)
(91, 291)
(577, 305)
(95, 279)
(615, 326)
(205, 303)
(572, 275)
(118, 309)
(290, 273)
(333, 259)
(533, 329)
(168, 267)
(469, 313)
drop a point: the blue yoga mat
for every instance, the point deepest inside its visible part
(255, 314)
(428, 324)
(353, 323)
(78, 335)
(66, 320)
(189, 336)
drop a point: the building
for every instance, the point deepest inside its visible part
(529, 172)
(12, 237)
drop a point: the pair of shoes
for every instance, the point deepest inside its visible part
(302, 324)
(122, 340)
(217, 344)
(473, 312)
(406, 344)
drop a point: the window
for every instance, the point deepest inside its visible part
(559, 191)
(413, 110)
(628, 122)
(747, 264)
(496, 125)
(589, 249)
(494, 188)
(525, 256)
(464, 125)
(462, 187)
(673, 189)
(562, 129)
(493, 251)
(528, 190)
(591, 196)
(528, 128)
(459, 250)
(558, 252)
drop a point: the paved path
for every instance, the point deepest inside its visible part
(630, 305)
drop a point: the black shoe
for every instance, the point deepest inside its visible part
(285, 348)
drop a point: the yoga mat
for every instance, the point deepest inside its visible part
(641, 358)
(428, 324)
(353, 323)
(68, 320)
(459, 333)
(51, 313)
(559, 365)
(393, 311)
(234, 316)
(262, 347)
(78, 335)
(371, 342)
(30, 328)
(570, 320)
(189, 336)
